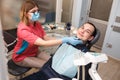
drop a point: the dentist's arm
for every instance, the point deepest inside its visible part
(41, 42)
(71, 40)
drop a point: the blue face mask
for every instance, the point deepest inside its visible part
(35, 16)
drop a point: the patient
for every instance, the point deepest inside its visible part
(85, 33)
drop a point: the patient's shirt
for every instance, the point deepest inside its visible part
(63, 60)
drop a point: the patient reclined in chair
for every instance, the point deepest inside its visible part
(61, 65)
(63, 58)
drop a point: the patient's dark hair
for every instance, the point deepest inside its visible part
(95, 30)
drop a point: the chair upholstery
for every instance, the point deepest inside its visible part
(12, 67)
(15, 69)
(10, 40)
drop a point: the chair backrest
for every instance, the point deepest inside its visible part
(10, 40)
(97, 36)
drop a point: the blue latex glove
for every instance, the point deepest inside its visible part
(72, 40)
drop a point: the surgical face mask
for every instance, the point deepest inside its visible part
(35, 16)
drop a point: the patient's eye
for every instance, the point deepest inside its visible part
(82, 27)
(88, 31)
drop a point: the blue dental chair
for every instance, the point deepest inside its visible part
(47, 72)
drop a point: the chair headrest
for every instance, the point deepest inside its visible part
(97, 36)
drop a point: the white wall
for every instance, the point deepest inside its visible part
(77, 5)
(3, 60)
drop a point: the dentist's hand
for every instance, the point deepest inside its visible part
(72, 40)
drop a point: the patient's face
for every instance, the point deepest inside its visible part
(85, 31)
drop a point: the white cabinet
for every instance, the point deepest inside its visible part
(111, 44)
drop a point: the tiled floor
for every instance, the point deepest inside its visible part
(95, 49)
(110, 70)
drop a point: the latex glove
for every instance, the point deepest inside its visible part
(72, 40)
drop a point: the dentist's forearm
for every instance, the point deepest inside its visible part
(41, 42)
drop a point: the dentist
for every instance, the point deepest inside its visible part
(31, 35)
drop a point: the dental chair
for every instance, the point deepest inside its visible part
(13, 69)
(47, 72)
